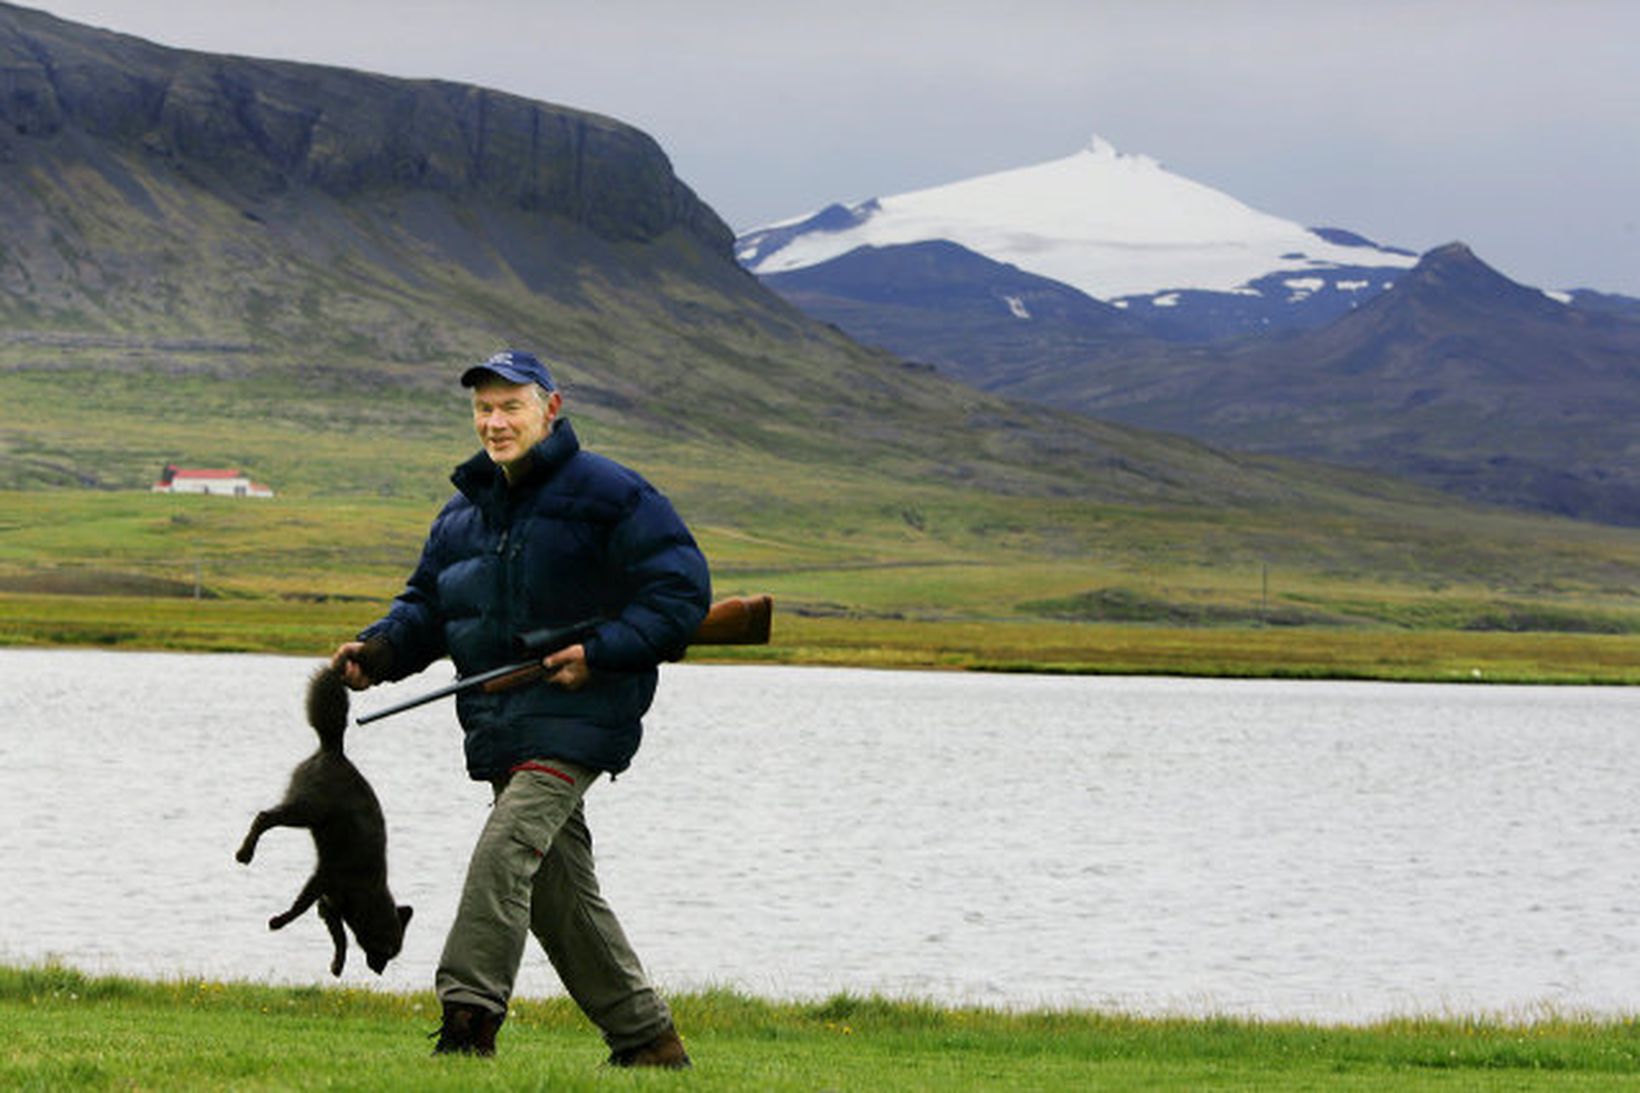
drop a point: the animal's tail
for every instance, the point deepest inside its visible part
(327, 707)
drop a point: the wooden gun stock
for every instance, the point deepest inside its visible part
(740, 620)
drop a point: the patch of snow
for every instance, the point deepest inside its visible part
(1350, 286)
(1016, 307)
(1557, 296)
(1303, 288)
(1167, 299)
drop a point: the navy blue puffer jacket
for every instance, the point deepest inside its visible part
(578, 537)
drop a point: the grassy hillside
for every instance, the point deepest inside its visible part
(1171, 558)
(870, 570)
(359, 477)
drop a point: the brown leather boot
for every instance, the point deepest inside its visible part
(665, 1050)
(467, 1030)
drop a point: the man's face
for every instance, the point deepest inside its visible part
(511, 418)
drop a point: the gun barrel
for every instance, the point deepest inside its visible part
(462, 684)
(735, 621)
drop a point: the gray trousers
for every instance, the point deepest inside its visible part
(532, 872)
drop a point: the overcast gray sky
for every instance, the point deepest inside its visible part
(1511, 125)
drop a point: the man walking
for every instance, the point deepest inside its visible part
(543, 534)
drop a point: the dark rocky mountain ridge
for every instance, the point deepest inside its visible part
(1459, 378)
(941, 304)
(267, 126)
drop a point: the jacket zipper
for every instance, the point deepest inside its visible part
(504, 577)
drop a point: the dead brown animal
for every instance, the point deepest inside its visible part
(329, 797)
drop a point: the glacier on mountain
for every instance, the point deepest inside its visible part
(1110, 224)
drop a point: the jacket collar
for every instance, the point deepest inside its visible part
(479, 477)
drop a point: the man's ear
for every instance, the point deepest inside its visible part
(555, 400)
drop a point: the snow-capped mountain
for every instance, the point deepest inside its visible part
(1091, 283)
(1119, 228)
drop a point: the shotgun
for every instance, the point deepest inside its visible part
(740, 620)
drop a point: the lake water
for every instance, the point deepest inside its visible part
(1332, 851)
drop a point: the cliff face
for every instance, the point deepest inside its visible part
(265, 127)
(150, 194)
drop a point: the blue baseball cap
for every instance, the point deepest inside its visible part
(512, 365)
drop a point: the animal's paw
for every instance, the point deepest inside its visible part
(244, 855)
(336, 967)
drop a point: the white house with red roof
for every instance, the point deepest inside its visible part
(175, 479)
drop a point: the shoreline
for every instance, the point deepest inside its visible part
(1025, 646)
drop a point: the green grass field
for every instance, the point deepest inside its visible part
(62, 1029)
(1159, 556)
(887, 579)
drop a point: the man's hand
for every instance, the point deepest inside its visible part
(346, 661)
(567, 668)
(364, 663)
